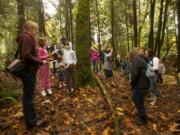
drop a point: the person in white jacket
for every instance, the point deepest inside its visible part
(69, 60)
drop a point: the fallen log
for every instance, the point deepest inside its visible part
(117, 118)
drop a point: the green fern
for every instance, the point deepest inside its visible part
(4, 99)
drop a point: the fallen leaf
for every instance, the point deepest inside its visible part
(18, 115)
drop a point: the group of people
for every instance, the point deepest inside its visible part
(64, 60)
(140, 60)
(122, 64)
(34, 53)
(105, 57)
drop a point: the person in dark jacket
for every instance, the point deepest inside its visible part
(139, 83)
(28, 53)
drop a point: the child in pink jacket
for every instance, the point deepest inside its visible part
(94, 56)
(44, 71)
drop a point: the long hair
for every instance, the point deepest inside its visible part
(42, 41)
(150, 53)
(134, 52)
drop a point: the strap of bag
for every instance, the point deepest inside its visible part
(17, 51)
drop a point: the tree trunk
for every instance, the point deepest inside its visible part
(151, 31)
(178, 41)
(60, 18)
(41, 22)
(83, 43)
(71, 22)
(67, 21)
(158, 37)
(139, 21)
(144, 19)
(127, 27)
(112, 30)
(21, 16)
(163, 27)
(135, 23)
(98, 26)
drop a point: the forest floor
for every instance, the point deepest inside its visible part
(86, 112)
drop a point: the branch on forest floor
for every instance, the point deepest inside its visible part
(117, 119)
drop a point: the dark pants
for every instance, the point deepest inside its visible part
(138, 99)
(108, 73)
(95, 66)
(70, 78)
(29, 81)
(54, 68)
(160, 79)
(61, 75)
(157, 75)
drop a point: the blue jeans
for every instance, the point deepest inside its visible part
(62, 75)
(138, 96)
(153, 85)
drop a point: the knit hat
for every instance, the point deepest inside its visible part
(95, 46)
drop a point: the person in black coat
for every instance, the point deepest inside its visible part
(139, 83)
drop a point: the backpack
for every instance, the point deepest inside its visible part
(150, 71)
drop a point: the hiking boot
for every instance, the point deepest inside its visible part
(43, 93)
(38, 123)
(140, 121)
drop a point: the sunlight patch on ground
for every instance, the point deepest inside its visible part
(170, 79)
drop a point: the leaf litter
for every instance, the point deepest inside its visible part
(162, 118)
(87, 113)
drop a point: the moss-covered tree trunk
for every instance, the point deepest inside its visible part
(83, 43)
(113, 30)
(178, 41)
